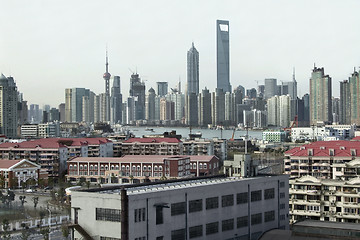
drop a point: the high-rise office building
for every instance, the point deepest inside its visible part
(270, 88)
(222, 55)
(74, 103)
(34, 113)
(162, 88)
(355, 98)
(150, 105)
(345, 100)
(68, 97)
(191, 114)
(279, 110)
(204, 108)
(116, 101)
(8, 106)
(137, 90)
(179, 100)
(320, 97)
(62, 112)
(193, 70)
(218, 107)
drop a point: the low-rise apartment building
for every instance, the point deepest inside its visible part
(325, 199)
(323, 133)
(203, 208)
(139, 168)
(152, 146)
(324, 160)
(52, 153)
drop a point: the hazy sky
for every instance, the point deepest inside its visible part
(48, 46)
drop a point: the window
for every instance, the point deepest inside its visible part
(108, 238)
(160, 168)
(282, 184)
(282, 217)
(155, 168)
(178, 208)
(256, 219)
(160, 238)
(205, 166)
(269, 216)
(242, 198)
(212, 228)
(242, 222)
(178, 234)
(149, 168)
(282, 195)
(256, 196)
(159, 215)
(227, 200)
(282, 206)
(212, 202)
(196, 231)
(227, 225)
(144, 167)
(107, 214)
(269, 193)
(139, 215)
(195, 205)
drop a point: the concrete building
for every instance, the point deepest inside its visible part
(320, 97)
(354, 82)
(14, 172)
(274, 136)
(49, 130)
(191, 110)
(345, 102)
(324, 160)
(167, 110)
(8, 107)
(179, 103)
(279, 111)
(162, 88)
(139, 168)
(192, 71)
(223, 55)
(324, 199)
(62, 112)
(203, 208)
(152, 146)
(324, 133)
(29, 131)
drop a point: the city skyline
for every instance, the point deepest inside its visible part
(287, 35)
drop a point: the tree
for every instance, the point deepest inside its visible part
(65, 231)
(22, 199)
(35, 201)
(25, 234)
(5, 234)
(45, 232)
(88, 184)
(82, 180)
(2, 181)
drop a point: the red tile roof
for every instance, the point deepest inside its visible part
(322, 149)
(5, 163)
(55, 143)
(152, 140)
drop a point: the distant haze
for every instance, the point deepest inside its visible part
(48, 46)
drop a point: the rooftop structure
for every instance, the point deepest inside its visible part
(207, 208)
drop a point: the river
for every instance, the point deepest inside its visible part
(184, 132)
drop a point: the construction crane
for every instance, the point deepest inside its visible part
(294, 123)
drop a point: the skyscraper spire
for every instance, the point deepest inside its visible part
(294, 74)
(107, 76)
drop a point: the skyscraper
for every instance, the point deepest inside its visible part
(345, 114)
(204, 107)
(222, 55)
(150, 105)
(355, 97)
(320, 97)
(162, 88)
(137, 90)
(193, 70)
(191, 114)
(8, 106)
(270, 88)
(116, 101)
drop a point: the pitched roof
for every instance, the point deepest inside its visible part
(6, 163)
(152, 140)
(340, 148)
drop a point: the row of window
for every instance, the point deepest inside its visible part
(226, 201)
(107, 214)
(116, 167)
(226, 225)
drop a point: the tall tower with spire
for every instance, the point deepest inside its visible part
(105, 102)
(107, 76)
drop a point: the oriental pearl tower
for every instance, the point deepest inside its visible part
(107, 76)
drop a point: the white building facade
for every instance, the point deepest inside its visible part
(208, 208)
